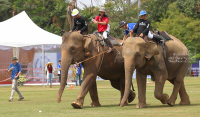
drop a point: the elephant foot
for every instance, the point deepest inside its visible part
(171, 102)
(165, 99)
(76, 105)
(59, 99)
(125, 104)
(141, 105)
(184, 102)
(95, 104)
(131, 96)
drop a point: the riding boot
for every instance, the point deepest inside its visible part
(161, 40)
(158, 38)
(109, 45)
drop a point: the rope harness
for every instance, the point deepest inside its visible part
(96, 55)
(105, 51)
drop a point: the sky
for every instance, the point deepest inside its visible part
(88, 3)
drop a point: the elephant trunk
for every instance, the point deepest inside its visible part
(65, 63)
(129, 68)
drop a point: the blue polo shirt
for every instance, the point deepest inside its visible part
(130, 27)
(78, 69)
(17, 68)
(59, 71)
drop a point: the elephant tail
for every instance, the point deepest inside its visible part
(132, 86)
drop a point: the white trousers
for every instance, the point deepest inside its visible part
(105, 34)
(150, 35)
(15, 88)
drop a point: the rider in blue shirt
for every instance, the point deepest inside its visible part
(128, 27)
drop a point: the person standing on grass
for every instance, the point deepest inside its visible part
(49, 70)
(15, 70)
(78, 74)
(59, 70)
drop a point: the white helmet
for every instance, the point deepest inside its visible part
(75, 12)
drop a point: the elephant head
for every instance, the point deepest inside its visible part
(73, 49)
(135, 52)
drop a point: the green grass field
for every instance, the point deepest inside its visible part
(44, 98)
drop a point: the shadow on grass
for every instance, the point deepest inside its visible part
(148, 106)
(113, 105)
(166, 105)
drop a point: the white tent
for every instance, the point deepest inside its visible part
(21, 31)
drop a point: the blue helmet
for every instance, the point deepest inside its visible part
(143, 12)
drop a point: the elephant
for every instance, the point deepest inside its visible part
(109, 66)
(148, 59)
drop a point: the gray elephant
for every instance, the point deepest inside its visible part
(109, 66)
(147, 58)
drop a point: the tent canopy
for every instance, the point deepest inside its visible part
(20, 31)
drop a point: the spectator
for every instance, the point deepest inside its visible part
(59, 70)
(15, 69)
(78, 74)
(152, 79)
(49, 71)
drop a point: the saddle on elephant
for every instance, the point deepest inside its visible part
(160, 37)
(100, 38)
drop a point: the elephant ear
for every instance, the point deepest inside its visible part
(87, 44)
(151, 49)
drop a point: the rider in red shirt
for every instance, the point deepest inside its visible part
(102, 21)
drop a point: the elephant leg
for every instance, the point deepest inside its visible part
(183, 95)
(141, 83)
(160, 79)
(119, 85)
(94, 95)
(173, 97)
(178, 82)
(88, 81)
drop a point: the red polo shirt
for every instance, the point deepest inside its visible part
(102, 28)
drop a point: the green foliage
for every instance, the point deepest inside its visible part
(43, 12)
(53, 28)
(188, 7)
(156, 8)
(88, 14)
(5, 10)
(184, 28)
(118, 11)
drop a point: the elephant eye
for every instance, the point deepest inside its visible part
(72, 50)
(137, 55)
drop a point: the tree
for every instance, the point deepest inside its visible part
(49, 15)
(189, 7)
(156, 8)
(184, 28)
(118, 11)
(5, 10)
(72, 5)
